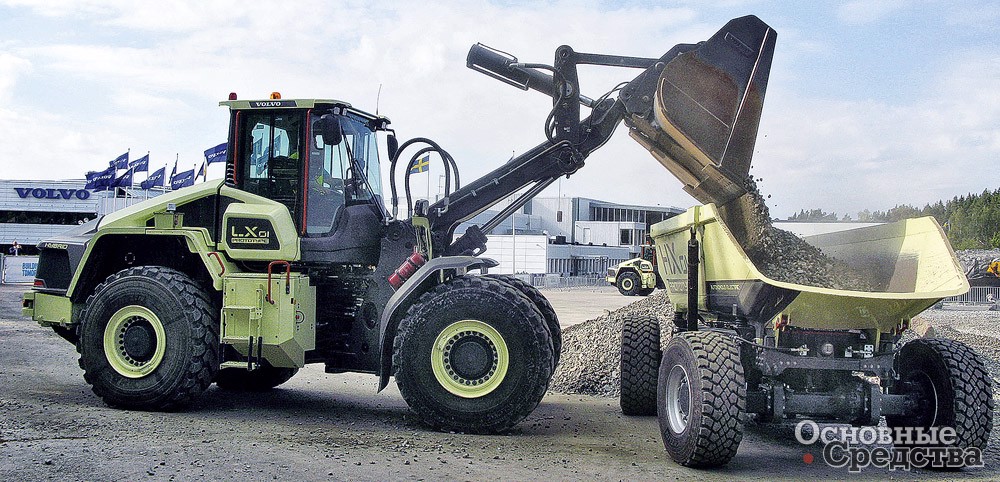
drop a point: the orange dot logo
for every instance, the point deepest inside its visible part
(807, 458)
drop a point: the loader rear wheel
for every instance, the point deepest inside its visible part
(544, 307)
(640, 365)
(261, 379)
(472, 355)
(149, 339)
(954, 388)
(701, 398)
(628, 283)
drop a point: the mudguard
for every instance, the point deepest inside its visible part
(405, 295)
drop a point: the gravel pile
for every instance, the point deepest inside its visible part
(781, 255)
(975, 261)
(591, 353)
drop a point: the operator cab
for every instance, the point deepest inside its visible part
(318, 158)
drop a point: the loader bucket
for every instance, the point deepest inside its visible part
(706, 109)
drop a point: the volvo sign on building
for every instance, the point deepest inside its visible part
(31, 211)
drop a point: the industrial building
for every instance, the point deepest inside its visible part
(31, 211)
(575, 236)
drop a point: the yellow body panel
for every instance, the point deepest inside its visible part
(284, 325)
(913, 264)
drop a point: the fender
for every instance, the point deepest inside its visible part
(410, 290)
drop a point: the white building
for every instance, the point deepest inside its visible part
(31, 211)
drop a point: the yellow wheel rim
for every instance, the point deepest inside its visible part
(134, 341)
(469, 358)
(627, 284)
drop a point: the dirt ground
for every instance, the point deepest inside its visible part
(335, 427)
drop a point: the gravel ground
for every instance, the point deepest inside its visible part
(591, 356)
(335, 427)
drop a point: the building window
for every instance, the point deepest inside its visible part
(45, 217)
(626, 237)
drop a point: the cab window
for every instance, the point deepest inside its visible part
(270, 158)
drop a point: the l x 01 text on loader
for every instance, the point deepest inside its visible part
(293, 258)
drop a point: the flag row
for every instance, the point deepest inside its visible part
(109, 178)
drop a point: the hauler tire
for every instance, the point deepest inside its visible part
(954, 389)
(640, 365)
(701, 398)
(472, 355)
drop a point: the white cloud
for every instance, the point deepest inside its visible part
(11, 68)
(859, 12)
(846, 156)
(150, 77)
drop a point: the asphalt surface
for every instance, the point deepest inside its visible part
(335, 427)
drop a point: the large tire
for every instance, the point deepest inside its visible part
(472, 355)
(954, 385)
(262, 379)
(628, 283)
(640, 365)
(701, 398)
(544, 307)
(149, 339)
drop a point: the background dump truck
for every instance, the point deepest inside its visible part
(636, 276)
(294, 259)
(749, 344)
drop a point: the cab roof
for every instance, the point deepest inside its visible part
(252, 104)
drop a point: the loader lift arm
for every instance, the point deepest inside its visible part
(696, 109)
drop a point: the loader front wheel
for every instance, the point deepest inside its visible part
(640, 365)
(952, 385)
(473, 355)
(149, 339)
(701, 398)
(628, 283)
(261, 379)
(544, 307)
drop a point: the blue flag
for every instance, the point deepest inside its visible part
(420, 165)
(125, 180)
(201, 170)
(183, 179)
(140, 165)
(100, 180)
(120, 162)
(154, 179)
(216, 154)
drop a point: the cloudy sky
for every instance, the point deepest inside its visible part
(870, 103)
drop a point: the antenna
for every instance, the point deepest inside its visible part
(377, 97)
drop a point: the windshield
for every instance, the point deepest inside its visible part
(341, 174)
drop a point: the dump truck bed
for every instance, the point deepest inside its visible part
(910, 262)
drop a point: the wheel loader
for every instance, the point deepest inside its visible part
(636, 276)
(293, 258)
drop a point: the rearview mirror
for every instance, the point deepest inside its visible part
(391, 145)
(329, 130)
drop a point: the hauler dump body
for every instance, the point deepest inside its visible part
(749, 344)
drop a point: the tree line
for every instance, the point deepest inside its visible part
(972, 221)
